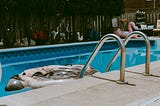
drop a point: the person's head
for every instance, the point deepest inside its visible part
(14, 84)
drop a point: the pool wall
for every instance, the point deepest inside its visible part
(8, 56)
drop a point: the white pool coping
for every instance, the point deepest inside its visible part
(92, 91)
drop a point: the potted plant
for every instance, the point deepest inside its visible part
(39, 38)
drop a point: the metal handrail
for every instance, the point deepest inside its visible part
(147, 65)
(97, 48)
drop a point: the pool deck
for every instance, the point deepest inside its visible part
(98, 90)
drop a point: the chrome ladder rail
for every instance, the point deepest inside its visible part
(147, 65)
(97, 48)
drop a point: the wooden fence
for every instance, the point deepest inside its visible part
(20, 27)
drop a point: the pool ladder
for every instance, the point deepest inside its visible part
(97, 48)
(121, 50)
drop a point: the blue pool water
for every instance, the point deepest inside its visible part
(134, 56)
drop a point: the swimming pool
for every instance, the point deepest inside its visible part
(134, 56)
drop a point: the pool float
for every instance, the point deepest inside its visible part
(46, 75)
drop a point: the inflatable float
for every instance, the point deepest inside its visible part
(44, 76)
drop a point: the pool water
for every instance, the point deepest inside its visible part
(134, 56)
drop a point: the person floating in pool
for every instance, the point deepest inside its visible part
(44, 76)
(123, 34)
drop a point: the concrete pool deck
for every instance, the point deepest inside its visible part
(97, 90)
